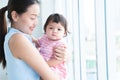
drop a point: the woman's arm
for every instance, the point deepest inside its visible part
(23, 49)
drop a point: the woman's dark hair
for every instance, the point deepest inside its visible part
(20, 6)
(57, 18)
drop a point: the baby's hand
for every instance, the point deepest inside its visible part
(35, 40)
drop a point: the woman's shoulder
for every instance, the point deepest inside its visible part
(19, 39)
(16, 35)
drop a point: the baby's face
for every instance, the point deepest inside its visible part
(55, 31)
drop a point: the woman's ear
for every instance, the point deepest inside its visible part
(14, 15)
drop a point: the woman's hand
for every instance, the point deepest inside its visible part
(59, 56)
(60, 53)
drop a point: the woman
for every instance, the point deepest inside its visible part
(20, 57)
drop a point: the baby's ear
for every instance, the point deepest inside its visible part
(65, 34)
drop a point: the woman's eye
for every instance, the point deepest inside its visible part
(32, 18)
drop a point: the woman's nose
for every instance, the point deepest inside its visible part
(36, 22)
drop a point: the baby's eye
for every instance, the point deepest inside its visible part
(50, 28)
(59, 29)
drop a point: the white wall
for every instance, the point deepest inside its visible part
(3, 3)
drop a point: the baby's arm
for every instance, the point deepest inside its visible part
(35, 40)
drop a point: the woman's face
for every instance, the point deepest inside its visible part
(27, 21)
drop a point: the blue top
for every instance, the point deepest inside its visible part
(16, 68)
